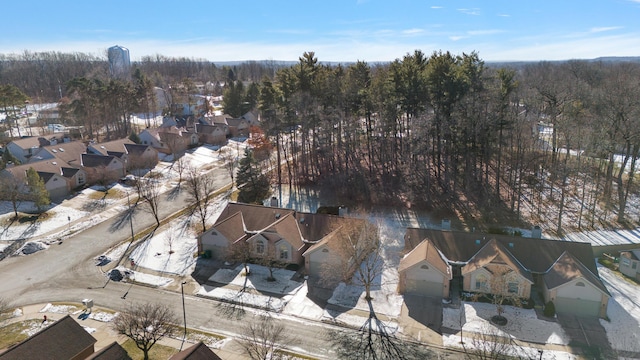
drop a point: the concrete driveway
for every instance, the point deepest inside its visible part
(586, 334)
(421, 318)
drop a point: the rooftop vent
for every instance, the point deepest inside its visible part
(478, 242)
(277, 215)
(301, 220)
(54, 151)
(511, 245)
(61, 149)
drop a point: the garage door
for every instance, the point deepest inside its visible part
(577, 307)
(422, 287)
(315, 268)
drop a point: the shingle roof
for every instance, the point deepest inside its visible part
(112, 351)
(136, 149)
(537, 255)
(68, 152)
(69, 172)
(45, 176)
(631, 254)
(45, 166)
(231, 227)
(566, 269)
(425, 251)
(114, 146)
(494, 253)
(64, 339)
(256, 217)
(199, 351)
(91, 160)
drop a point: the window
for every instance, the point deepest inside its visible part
(424, 267)
(260, 247)
(512, 287)
(580, 283)
(80, 179)
(634, 265)
(625, 262)
(481, 282)
(284, 252)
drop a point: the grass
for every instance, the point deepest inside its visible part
(13, 333)
(157, 351)
(114, 194)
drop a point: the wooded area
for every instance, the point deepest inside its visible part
(442, 131)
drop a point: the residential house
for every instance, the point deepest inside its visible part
(24, 148)
(112, 351)
(133, 155)
(630, 263)
(199, 351)
(238, 127)
(251, 118)
(59, 178)
(215, 134)
(169, 139)
(64, 339)
(424, 271)
(564, 272)
(68, 152)
(102, 169)
(286, 235)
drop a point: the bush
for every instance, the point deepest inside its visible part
(549, 309)
(528, 303)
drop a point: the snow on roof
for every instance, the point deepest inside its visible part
(606, 237)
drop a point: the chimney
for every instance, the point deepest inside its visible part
(446, 224)
(273, 202)
(536, 232)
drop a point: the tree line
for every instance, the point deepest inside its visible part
(439, 130)
(448, 131)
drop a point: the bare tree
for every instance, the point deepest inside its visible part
(199, 187)
(488, 344)
(500, 291)
(229, 158)
(240, 252)
(12, 190)
(169, 239)
(149, 192)
(265, 339)
(180, 166)
(146, 324)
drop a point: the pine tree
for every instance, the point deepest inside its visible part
(37, 190)
(253, 184)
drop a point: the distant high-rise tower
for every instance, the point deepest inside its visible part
(119, 62)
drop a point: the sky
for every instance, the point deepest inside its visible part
(336, 30)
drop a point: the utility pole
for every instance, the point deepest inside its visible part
(184, 314)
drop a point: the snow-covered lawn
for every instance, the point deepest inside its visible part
(57, 218)
(623, 310)
(257, 279)
(517, 352)
(523, 324)
(179, 237)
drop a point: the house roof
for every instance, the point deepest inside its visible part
(64, 339)
(536, 255)
(631, 254)
(199, 351)
(112, 351)
(209, 129)
(113, 146)
(425, 251)
(330, 230)
(36, 141)
(231, 227)
(256, 217)
(235, 122)
(45, 176)
(91, 160)
(69, 172)
(68, 152)
(136, 149)
(287, 227)
(45, 166)
(494, 253)
(566, 269)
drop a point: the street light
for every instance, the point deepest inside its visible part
(540, 352)
(184, 314)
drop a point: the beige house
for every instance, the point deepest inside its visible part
(630, 263)
(59, 178)
(24, 148)
(102, 169)
(286, 235)
(493, 269)
(564, 271)
(133, 155)
(215, 134)
(574, 289)
(423, 271)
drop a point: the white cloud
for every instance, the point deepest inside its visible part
(474, 11)
(456, 38)
(603, 29)
(413, 31)
(437, 7)
(504, 15)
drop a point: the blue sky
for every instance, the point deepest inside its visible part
(347, 30)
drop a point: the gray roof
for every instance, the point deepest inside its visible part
(64, 339)
(112, 351)
(199, 351)
(90, 160)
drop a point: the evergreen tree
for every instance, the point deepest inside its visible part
(134, 137)
(37, 190)
(253, 184)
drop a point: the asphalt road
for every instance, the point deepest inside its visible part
(67, 273)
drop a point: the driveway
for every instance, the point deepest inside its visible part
(421, 318)
(587, 334)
